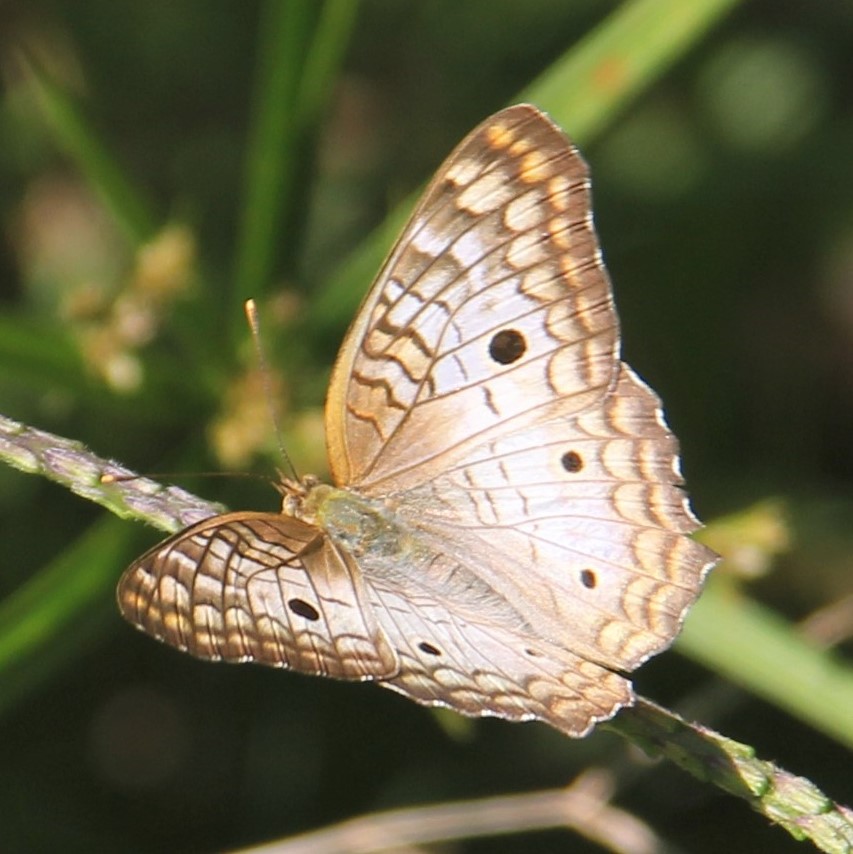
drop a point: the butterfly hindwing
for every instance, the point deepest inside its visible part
(580, 522)
(258, 587)
(457, 658)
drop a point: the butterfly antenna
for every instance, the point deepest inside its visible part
(255, 327)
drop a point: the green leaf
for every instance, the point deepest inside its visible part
(757, 649)
(297, 64)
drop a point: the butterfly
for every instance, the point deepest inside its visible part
(506, 534)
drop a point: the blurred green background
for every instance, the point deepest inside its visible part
(160, 162)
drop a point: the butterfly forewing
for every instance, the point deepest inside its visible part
(493, 304)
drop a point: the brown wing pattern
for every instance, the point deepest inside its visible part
(580, 523)
(258, 587)
(495, 285)
(451, 657)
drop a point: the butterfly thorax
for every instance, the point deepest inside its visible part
(391, 547)
(360, 525)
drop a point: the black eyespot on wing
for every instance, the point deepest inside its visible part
(428, 648)
(303, 609)
(589, 579)
(531, 652)
(507, 346)
(572, 462)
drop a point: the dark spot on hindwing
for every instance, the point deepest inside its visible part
(507, 346)
(572, 462)
(303, 609)
(588, 579)
(428, 648)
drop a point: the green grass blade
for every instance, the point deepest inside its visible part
(35, 621)
(298, 61)
(271, 149)
(325, 56)
(757, 649)
(584, 90)
(591, 83)
(76, 135)
(35, 355)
